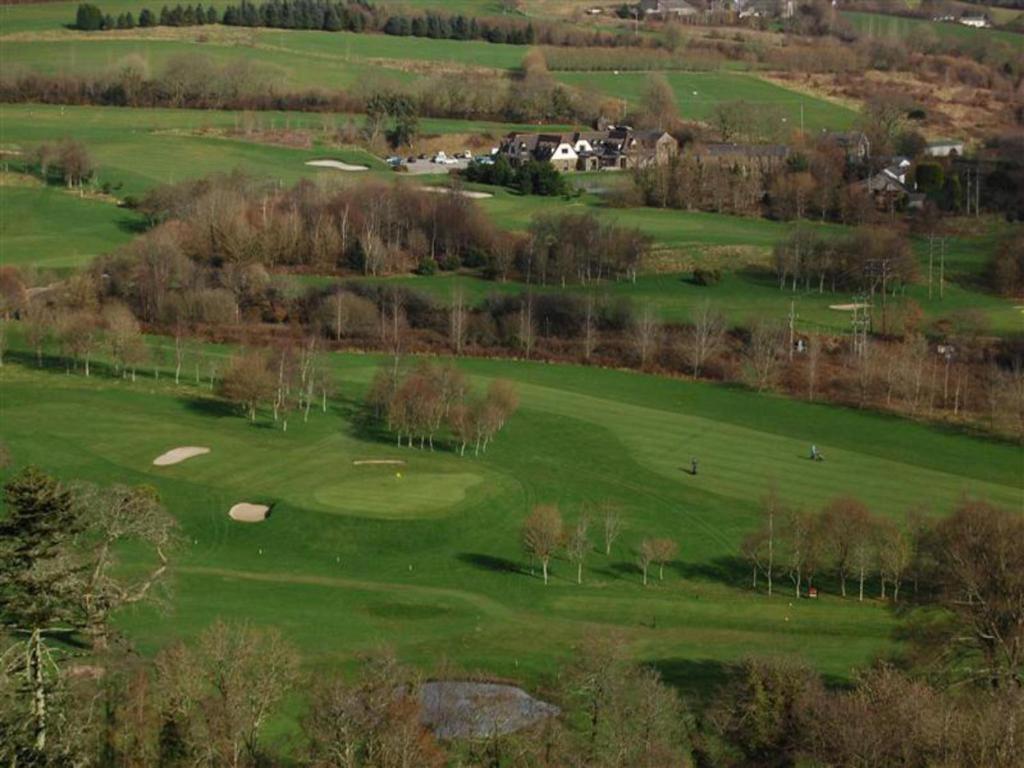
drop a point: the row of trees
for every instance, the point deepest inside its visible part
(544, 535)
(431, 400)
(870, 260)
(966, 377)
(361, 16)
(843, 539)
(969, 564)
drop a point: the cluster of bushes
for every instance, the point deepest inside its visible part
(530, 178)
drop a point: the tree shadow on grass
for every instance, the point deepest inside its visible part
(490, 562)
(695, 679)
(730, 570)
(208, 406)
(623, 571)
(131, 225)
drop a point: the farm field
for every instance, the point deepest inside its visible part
(697, 94)
(431, 559)
(294, 59)
(880, 25)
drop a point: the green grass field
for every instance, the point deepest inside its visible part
(697, 94)
(141, 148)
(430, 561)
(52, 228)
(880, 25)
(290, 59)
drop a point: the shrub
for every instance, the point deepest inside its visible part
(706, 277)
(89, 18)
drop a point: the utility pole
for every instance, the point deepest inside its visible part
(861, 321)
(792, 327)
(967, 194)
(942, 266)
(878, 271)
(931, 259)
(977, 190)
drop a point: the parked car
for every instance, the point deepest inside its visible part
(394, 160)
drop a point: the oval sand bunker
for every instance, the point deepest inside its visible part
(178, 455)
(337, 165)
(249, 513)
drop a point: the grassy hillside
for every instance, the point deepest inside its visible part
(431, 559)
(51, 228)
(697, 94)
(880, 25)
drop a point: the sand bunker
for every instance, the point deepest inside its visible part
(459, 710)
(337, 165)
(847, 307)
(361, 462)
(249, 513)
(178, 455)
(464, 192)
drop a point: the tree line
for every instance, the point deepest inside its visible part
(207, 269)
(361, 16)
(196, 81)
(544, 536)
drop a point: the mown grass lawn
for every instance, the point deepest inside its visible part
(431, 561)
(52, 228)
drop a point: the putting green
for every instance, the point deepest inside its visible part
(381, 491)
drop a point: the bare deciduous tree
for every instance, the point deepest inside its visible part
(645, 555)
(377, 721)
(458, 320)
(762, 354)
(646, 331)
(705, 335)
(542, 534)
(611, 525)
(115, 515)
(248, 381)
(578, 545)
(844, 522)
(222, 692)
(663, 551)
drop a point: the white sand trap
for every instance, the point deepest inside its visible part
(178, 455)
(472, 194)
(337, 165)
(249, 513)
(846, 307)
(361, 462)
